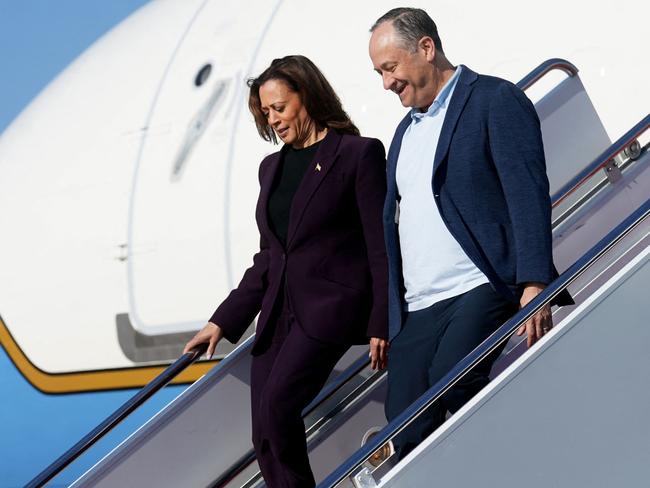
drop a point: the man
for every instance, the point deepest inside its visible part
(467, 216)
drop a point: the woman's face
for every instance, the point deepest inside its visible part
(285, 113)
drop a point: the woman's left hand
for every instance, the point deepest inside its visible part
(378, 353)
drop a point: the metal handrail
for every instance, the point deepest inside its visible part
(116, 417)
(601, 161)
(361, 363)
(598, 163)
(245, 460)
(547, 66)
(488, 346)
(239, 465)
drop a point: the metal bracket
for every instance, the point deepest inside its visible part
(612, 171)
(364, 479)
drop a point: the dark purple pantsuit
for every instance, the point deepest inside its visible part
(286, 376)
(322, 292)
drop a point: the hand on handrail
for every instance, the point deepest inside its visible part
(378, 353)
(540, 323)
(209, 335)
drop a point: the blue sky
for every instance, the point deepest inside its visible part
(38, 38)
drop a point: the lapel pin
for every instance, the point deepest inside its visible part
(318, 168)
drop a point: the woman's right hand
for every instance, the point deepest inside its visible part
(210, 334)
(378, 353)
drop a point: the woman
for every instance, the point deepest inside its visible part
(319, 281)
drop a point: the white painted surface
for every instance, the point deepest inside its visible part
(97, 146)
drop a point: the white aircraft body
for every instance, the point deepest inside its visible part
(128, 186)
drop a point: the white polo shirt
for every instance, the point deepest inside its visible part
(434, 265)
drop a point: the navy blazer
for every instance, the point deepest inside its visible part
(334, 264)
(490, 185)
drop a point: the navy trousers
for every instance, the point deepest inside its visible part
(430, 343)
(286, 376)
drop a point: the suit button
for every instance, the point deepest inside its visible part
(284, 257)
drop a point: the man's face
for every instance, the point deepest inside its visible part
(408, 74)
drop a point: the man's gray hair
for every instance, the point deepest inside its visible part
(411, 25)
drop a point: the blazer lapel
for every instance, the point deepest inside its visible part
(266, 183)
(456, 105)
(323, 161)
(391, 169)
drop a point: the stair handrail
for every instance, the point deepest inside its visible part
(544, 68)
(601, 161)
(247, 458)
(117, 416)
(240, 464)
(185, 360)
(502, 334)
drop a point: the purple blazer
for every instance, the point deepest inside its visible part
(335, 261)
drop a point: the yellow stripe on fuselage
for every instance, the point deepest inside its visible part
(95, 380)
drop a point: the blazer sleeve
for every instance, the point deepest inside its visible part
(239, 309)
(515, 140)
(370, 187)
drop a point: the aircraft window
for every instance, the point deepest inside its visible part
(203, 75)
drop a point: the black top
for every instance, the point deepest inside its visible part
(293, 166)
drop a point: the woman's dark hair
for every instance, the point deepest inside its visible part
(316, 94)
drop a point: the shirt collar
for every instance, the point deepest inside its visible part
(441, 100)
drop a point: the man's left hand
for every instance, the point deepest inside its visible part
(540, 323)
